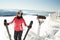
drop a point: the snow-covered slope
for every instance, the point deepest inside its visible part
(28, 18)
(50, 29)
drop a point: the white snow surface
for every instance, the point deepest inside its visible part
(28, 18)
(49, 29)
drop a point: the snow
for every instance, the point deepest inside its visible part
(27, 18)
(49, 29)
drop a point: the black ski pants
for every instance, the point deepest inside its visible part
(17, 35)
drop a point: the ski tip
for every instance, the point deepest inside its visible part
(5, 20)
(32, 22)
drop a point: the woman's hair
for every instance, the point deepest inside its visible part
(19, 13)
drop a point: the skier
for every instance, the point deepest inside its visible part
(18, 29)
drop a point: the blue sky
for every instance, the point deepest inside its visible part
(30, 4)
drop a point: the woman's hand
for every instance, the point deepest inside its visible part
(6, 24)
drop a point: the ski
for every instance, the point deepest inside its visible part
(30, 25)
(5, 24)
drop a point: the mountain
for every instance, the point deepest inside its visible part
(13, 12)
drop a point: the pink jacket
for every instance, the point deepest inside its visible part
(18, 24)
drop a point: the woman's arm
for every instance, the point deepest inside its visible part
(24, 22)
(11, 21)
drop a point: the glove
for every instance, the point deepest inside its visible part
(7, 23)
(29, 26)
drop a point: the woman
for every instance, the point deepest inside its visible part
(18, 29)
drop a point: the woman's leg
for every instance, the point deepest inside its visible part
(15, 35)
(19, 35)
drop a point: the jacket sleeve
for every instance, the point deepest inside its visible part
(24, 22)
(12, 21)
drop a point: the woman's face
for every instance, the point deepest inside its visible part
(19, 14)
